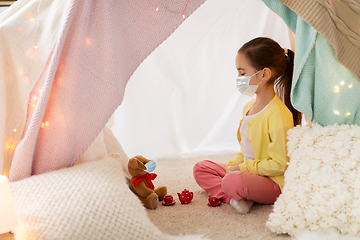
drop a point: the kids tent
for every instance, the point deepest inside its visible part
(68, 65)
(184, 99)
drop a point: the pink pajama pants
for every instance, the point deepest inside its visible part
(212, 177)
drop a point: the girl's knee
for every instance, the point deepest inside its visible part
(231, 180)
(233, 185)
(208, 169)
(202, 166)
(199, 168)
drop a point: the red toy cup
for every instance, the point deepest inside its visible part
(214, 201)
(168, 199)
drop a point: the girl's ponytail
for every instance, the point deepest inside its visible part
(283, 86)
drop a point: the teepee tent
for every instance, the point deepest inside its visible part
(70, 66)
(158, 77)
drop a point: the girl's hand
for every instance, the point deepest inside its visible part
(233, 168)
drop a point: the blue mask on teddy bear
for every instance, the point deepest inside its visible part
(150, 166)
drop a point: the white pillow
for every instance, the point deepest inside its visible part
(322, 182)
(86, 201)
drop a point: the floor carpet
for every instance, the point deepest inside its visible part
(221, 222)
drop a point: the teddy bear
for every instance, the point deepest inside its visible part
(141, 183)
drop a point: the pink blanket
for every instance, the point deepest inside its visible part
(102, 44)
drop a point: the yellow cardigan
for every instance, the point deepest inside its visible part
(268, 136)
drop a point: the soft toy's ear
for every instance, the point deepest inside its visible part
(142, 159)
(133, 163)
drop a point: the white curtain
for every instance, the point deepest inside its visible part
(182, 99)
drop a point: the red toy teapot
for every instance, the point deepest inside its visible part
(185, 197)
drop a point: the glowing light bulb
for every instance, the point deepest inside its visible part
(183, 16)
(36, 46)
(350, 85)
(33, 105)
(34, 98)
(15, 130)
(42, 125)
(348, 114)
(157, 9)
(88, 42)
(47, 123)
(342, 83)
(336, 89)
(8, 147)
(336, 112)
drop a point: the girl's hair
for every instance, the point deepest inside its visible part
(266, 53)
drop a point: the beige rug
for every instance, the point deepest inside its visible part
(222, 222)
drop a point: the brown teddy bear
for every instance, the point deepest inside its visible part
(141, 183)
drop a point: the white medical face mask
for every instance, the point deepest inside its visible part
(150, 166)
(242, 85)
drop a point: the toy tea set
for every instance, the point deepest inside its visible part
(185, 197)
(141, 184)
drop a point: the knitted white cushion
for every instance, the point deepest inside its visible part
(87, 201)
(322, 183)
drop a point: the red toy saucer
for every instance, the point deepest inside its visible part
(214, 205)
(169, 204)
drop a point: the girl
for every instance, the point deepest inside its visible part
(257, 172)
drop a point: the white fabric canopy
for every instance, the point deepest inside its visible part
(182, 99)
(101, 44)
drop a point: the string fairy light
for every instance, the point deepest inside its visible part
(182, 13)
(32, 19)
(337, 89)
(13, 135)
(9, 147)
(44, 124)
(26, 77)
